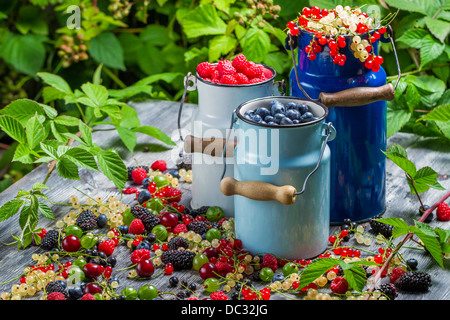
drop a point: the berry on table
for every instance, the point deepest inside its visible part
(339, 285)
(443, 212)
(138, 175)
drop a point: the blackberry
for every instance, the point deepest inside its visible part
(87, 220)
(138, 211)
(150, 221)
(177, 242)
(199, 211)
(199, 227)
(131, 168)
(180, 259)
(381, 228)
(55, 286)
(415, 281)
(389, 290)
(50, 240)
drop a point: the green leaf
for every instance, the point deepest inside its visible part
(40, 186)
(56, 82)
(155, 34)
(396, 117)
(430, 50)
(50, 150)
(86, 133)
(10, 208)
(424, 179)
(35, 132)
(431, 242)
(128, 137)
(155, 133)
(167, 77)
(356, 277)
(67, 121)
(97, 77)
(25, 52)
(23, 154)
(97, 94)
(414, 38)
(113, 168)
(438, 28)
(46, 211)
(409, 5)
(82, 158)
(440, 113)
(203, 21)
(399, 159)
(150, 59)
(22, 110)
(256, 44)
(31, 19)
(130, 118)
(315, 269)
(220, 46)
(106, 48)
(67, 169)
(400, 226)
(13, 128)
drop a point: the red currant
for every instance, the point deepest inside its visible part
(306, 12)
(168, 269)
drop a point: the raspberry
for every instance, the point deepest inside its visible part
(269, 261)
(130, 190)
(443, 212)
(138, 175)
(241, 78)
(253, 70)
(174, 195)
(339, 285)
(255, 80)
(223, 268)
(225, 68)
(228, 79)
(160, 165)
(87, 296)
(179, 228)
(215, 76)
(218, 295)
(107, 247)
(396, 273)
(205, 69)
(136, 227)
(56, 296)
(267, 73)
(239, 63)
(140, 254)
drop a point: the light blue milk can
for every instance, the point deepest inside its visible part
(271, 164)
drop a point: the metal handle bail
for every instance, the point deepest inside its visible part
(189, 85)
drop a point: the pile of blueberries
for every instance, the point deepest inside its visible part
(279, 114)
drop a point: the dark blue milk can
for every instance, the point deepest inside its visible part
(356, 98)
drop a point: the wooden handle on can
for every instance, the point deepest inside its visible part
(209, 146)
(358, 96)
(258, 190)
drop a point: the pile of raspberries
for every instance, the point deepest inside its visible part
(238, 71)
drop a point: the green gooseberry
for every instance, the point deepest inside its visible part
(266, 274)
(129, 293)
(212, 234)
(147, 292)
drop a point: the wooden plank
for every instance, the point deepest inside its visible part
(163, 114)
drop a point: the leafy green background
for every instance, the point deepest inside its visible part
(146, 47)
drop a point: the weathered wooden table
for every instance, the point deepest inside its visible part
(163, 114)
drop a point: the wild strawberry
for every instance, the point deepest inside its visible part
(443, 212)
(140, 254)
(160, 165)
(205, 69)
(269, 261)
(136, 227)
(239, 63)
(107, 247)
(339, 285)
(228, 79)
(130, 190)
(138, 175)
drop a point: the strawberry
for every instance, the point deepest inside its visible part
(160, 165)
(443, 212)
(140, 254)
(136, 227)
(228, 79)
(138, 175)
(181, 227)
(107, 247)
(239, 63)
(205, 69)
(339, 285)
(269, 261)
